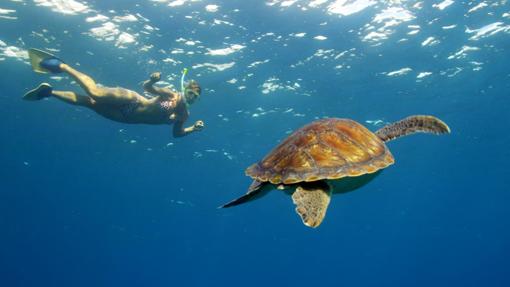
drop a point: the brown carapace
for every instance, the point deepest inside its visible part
(325, 149)
(311, 160)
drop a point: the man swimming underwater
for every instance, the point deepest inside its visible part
(119, 104)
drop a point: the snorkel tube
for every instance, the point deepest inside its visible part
(184, 72)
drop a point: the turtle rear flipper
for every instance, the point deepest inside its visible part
(256, 190)
(311, 202)
(411, 125)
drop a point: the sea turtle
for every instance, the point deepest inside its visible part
(329, 156)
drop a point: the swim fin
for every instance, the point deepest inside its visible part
(44, 62)
(42, 91)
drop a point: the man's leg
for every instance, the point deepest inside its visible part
(45, 90)
(86, 83)
(73, 98)
(102, 95)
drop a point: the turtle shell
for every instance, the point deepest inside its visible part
(325, 149)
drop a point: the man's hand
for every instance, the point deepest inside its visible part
(155, 77)
(198, 126)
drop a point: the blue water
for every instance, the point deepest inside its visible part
(85, 201)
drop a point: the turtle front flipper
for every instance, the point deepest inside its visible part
(312, 200)
(411, 125)
(256, 190)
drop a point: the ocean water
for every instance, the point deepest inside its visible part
(85, 201)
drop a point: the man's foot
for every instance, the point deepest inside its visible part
(42, 91)
(44, 62)
(51, 64)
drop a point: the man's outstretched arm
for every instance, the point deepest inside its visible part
(149, 87)
(179, 130)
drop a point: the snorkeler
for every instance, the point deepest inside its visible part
(119, 104)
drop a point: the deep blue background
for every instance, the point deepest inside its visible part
(82, 206)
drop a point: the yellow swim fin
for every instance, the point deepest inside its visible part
(37, 56)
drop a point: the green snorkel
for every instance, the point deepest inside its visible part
(184, 72)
